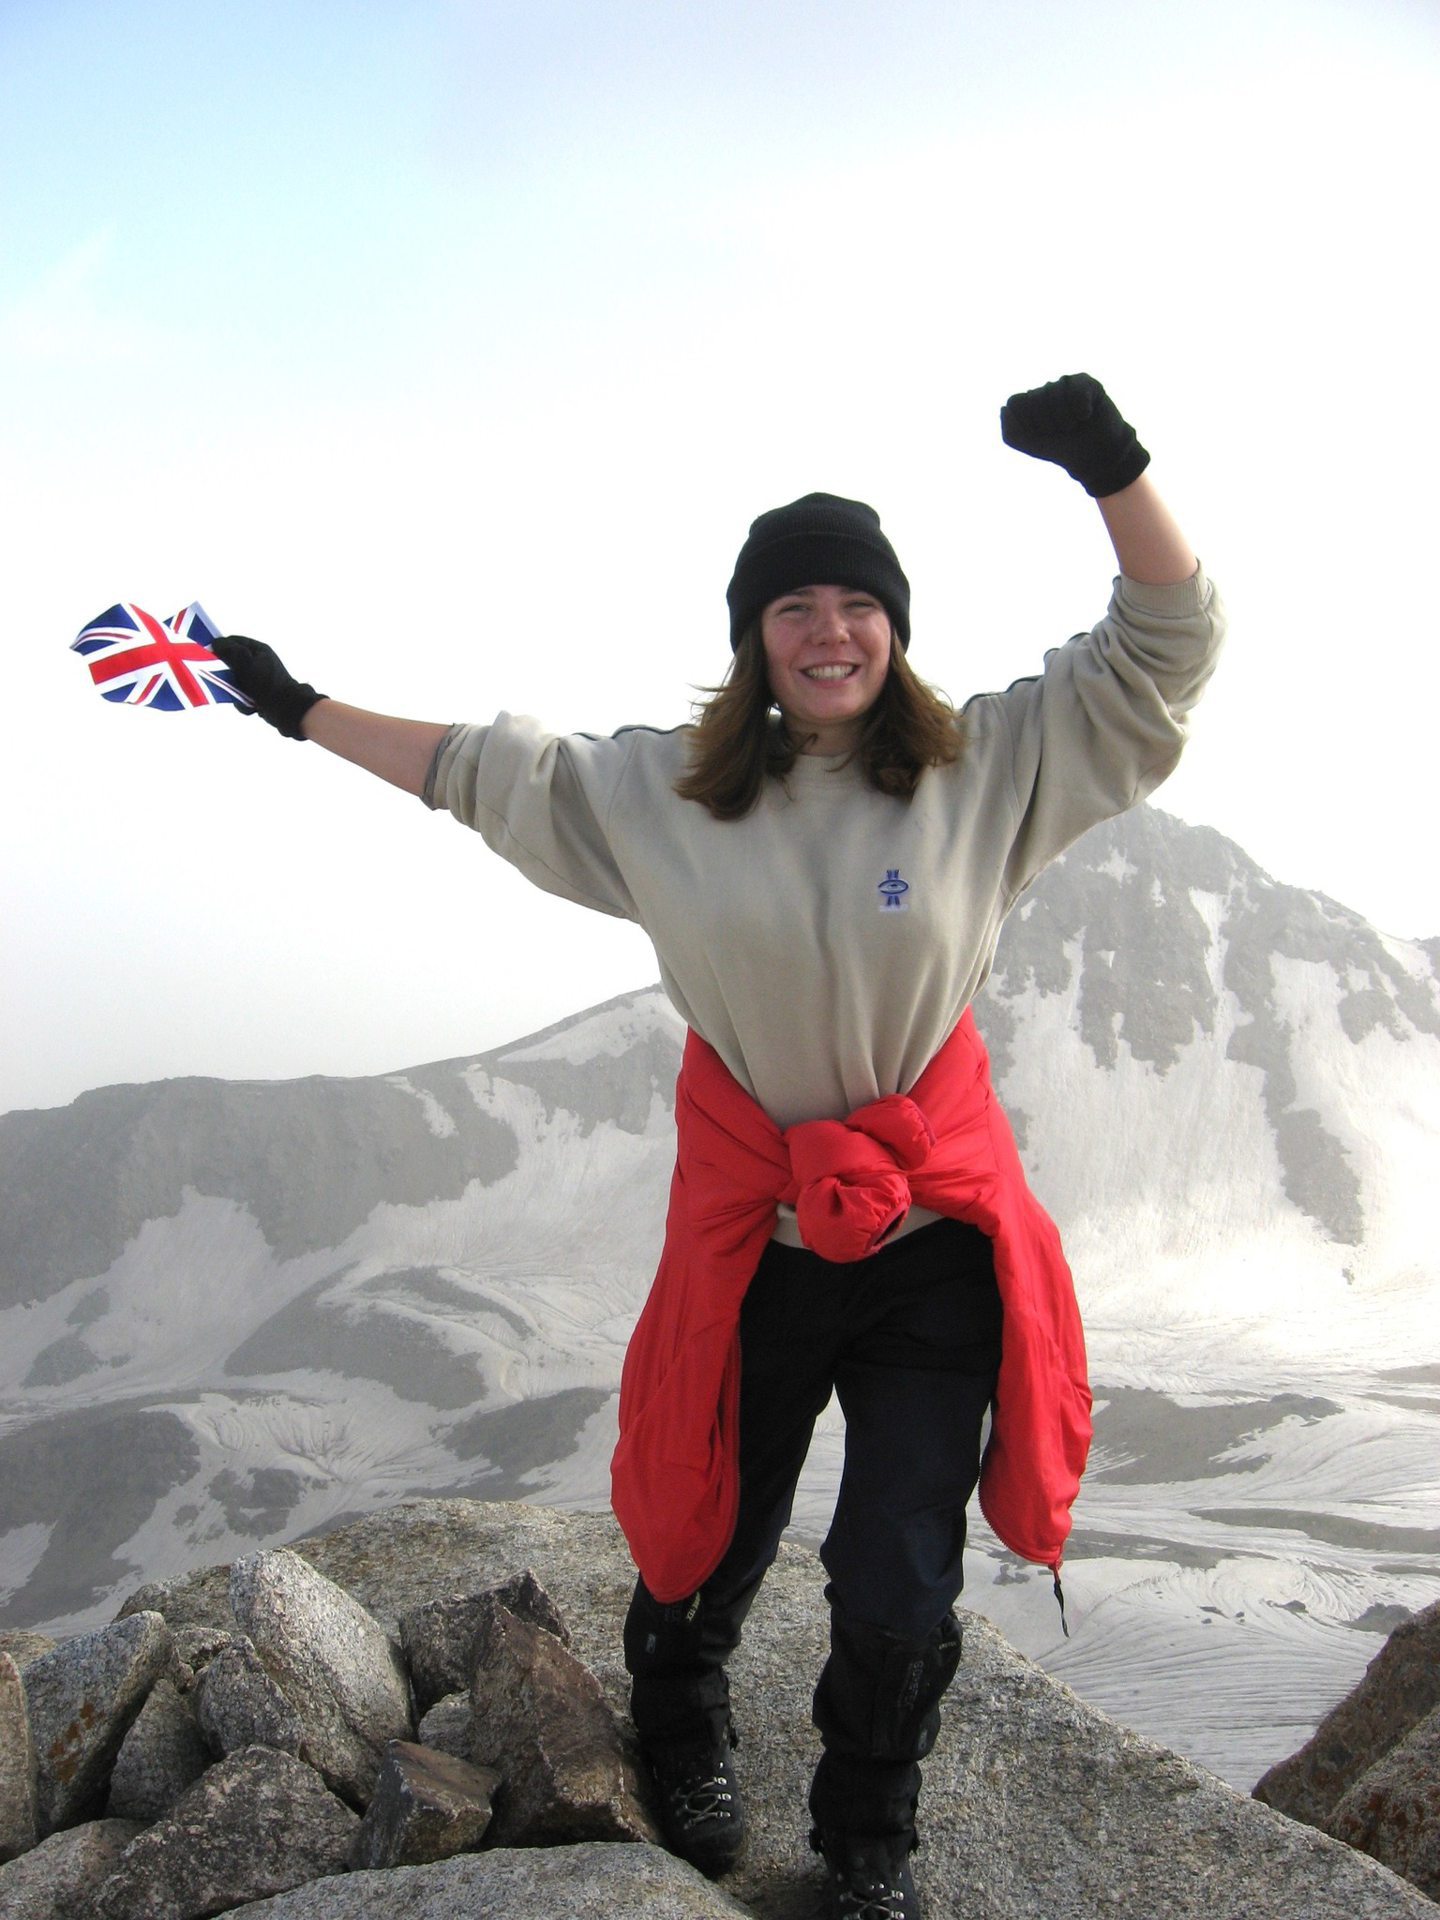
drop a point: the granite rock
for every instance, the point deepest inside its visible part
(1393, 1810)
(55, 1880)
(1398, 1688)
(333, 1662)
(439, 1638)
(163, 1753)
(199, 1599)
(197, 1646)
(447, 1726)
(18, 1796)
(589, 1882)
(238, 1705)
(427, 1806)
(255, 1824)
(405, 1556)
(23, 1646)
(84, 1697)
(538, 1714)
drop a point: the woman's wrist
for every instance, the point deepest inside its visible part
(1148, 543)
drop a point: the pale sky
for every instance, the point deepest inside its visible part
(452, 347)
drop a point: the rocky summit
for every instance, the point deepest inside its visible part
(246, 1736)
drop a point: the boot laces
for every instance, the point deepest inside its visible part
(698, 1799)
(877, 1902)
(870, 1881)
(697, 1787)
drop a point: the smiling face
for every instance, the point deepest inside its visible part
(828, 652)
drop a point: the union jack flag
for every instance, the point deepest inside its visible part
(144, 662)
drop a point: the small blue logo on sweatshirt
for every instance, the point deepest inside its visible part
(892, 890)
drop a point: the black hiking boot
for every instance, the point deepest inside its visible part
(869, 1875)
(698, 1802)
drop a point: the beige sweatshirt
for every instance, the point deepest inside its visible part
(827, 944)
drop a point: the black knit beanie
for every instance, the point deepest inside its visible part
(820, 541)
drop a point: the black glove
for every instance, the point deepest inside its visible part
(258, 675)
(1075, 423)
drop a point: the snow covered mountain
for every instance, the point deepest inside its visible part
(232, 1312)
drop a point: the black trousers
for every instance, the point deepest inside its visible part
(909, 1340)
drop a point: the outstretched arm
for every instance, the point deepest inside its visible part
(1075, 424)
(396, 750)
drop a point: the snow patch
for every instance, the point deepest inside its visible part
(606, 1035)
(1412, 957)
(436, 1118)
(184, 1292)
(21, 1549)
(1389, 1143)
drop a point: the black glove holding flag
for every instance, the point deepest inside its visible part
(1074, 423)
(259, 675)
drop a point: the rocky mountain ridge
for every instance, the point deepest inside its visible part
(1034, 1803)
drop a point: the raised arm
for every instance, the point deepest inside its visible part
(1075, 424)
(398, 751)
(1147, 542)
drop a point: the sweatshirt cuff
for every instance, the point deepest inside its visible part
(427, 792)
(1178, 597)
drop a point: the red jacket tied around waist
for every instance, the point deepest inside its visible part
(946, 1146)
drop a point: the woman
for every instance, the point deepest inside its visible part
(823, 863)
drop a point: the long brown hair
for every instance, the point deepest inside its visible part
(735, 745)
